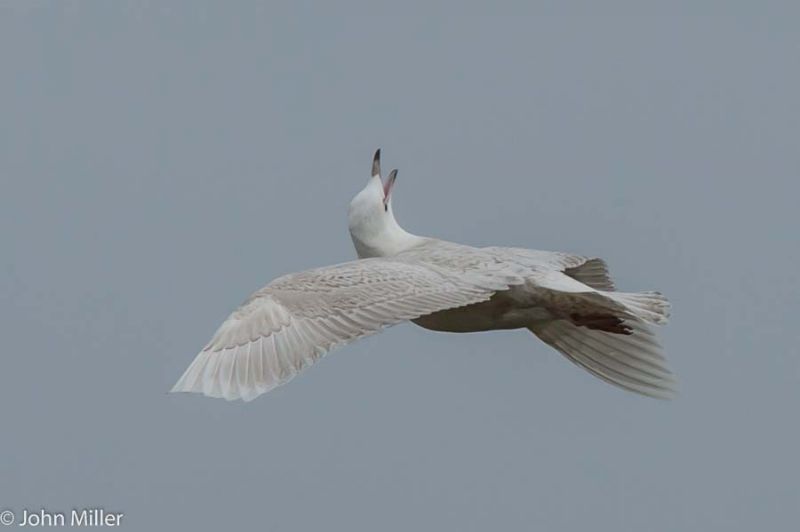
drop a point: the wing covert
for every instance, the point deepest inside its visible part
(296, 319)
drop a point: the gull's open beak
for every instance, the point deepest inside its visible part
(387, 188)
(376, 172)
(376, 163)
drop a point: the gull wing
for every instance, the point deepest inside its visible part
(571, 283)
(592, 272)
(296, 319)
(497, 260)
(633, 362)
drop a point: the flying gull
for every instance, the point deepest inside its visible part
(568, 301)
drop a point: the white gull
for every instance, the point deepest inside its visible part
(568, 301)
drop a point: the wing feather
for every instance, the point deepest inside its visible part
(293, 321)
(594, 273)
(632, 362)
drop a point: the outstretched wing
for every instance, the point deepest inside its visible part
(634, 362)
(293, 321)
(592, 272)
(511, 264)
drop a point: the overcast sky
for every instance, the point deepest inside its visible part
(160, 162)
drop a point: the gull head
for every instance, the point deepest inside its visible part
(373, 227)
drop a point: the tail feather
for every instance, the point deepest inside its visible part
(651, 307)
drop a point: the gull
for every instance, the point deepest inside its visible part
(567, 301)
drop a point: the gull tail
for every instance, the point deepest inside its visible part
(650, 307)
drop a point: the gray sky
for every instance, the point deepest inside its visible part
(158, 164)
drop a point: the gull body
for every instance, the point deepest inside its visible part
(568, 301)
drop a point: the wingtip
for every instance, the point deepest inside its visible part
(178, 387)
